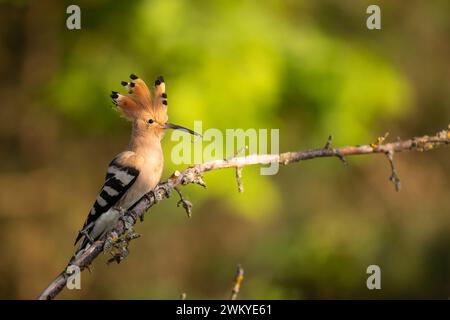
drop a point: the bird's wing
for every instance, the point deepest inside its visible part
(121, 175)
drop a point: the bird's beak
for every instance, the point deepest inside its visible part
(177, 127)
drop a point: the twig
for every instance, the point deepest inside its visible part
(394, 178)
(194, 173)
(337, 154)
(239, 179)
(237, 282)
(186, 204)
(329, 141)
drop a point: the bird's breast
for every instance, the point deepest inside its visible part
(149, 176)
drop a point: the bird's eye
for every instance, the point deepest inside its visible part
(151, 121)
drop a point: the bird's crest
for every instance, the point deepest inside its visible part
(140, 101)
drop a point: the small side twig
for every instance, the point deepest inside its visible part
(394, 178)
(237, 282)
(238, 169)
(186, 204)
(336, 152)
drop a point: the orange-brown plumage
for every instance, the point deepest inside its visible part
(140, 103)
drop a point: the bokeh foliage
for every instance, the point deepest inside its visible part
(229, 66)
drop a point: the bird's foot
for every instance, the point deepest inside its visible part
(118, 245)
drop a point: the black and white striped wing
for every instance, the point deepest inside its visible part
(118, 180)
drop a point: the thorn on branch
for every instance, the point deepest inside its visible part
(187, 205)
(329, 141)
(239, 179)
(394, 178)
(237, 282)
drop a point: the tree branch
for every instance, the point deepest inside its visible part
(193, 174)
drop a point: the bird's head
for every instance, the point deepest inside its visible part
(147, 110)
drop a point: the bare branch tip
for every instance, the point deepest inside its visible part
(329, 141)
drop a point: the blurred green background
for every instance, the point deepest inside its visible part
(309, 68)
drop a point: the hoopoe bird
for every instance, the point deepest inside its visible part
(136, 171)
